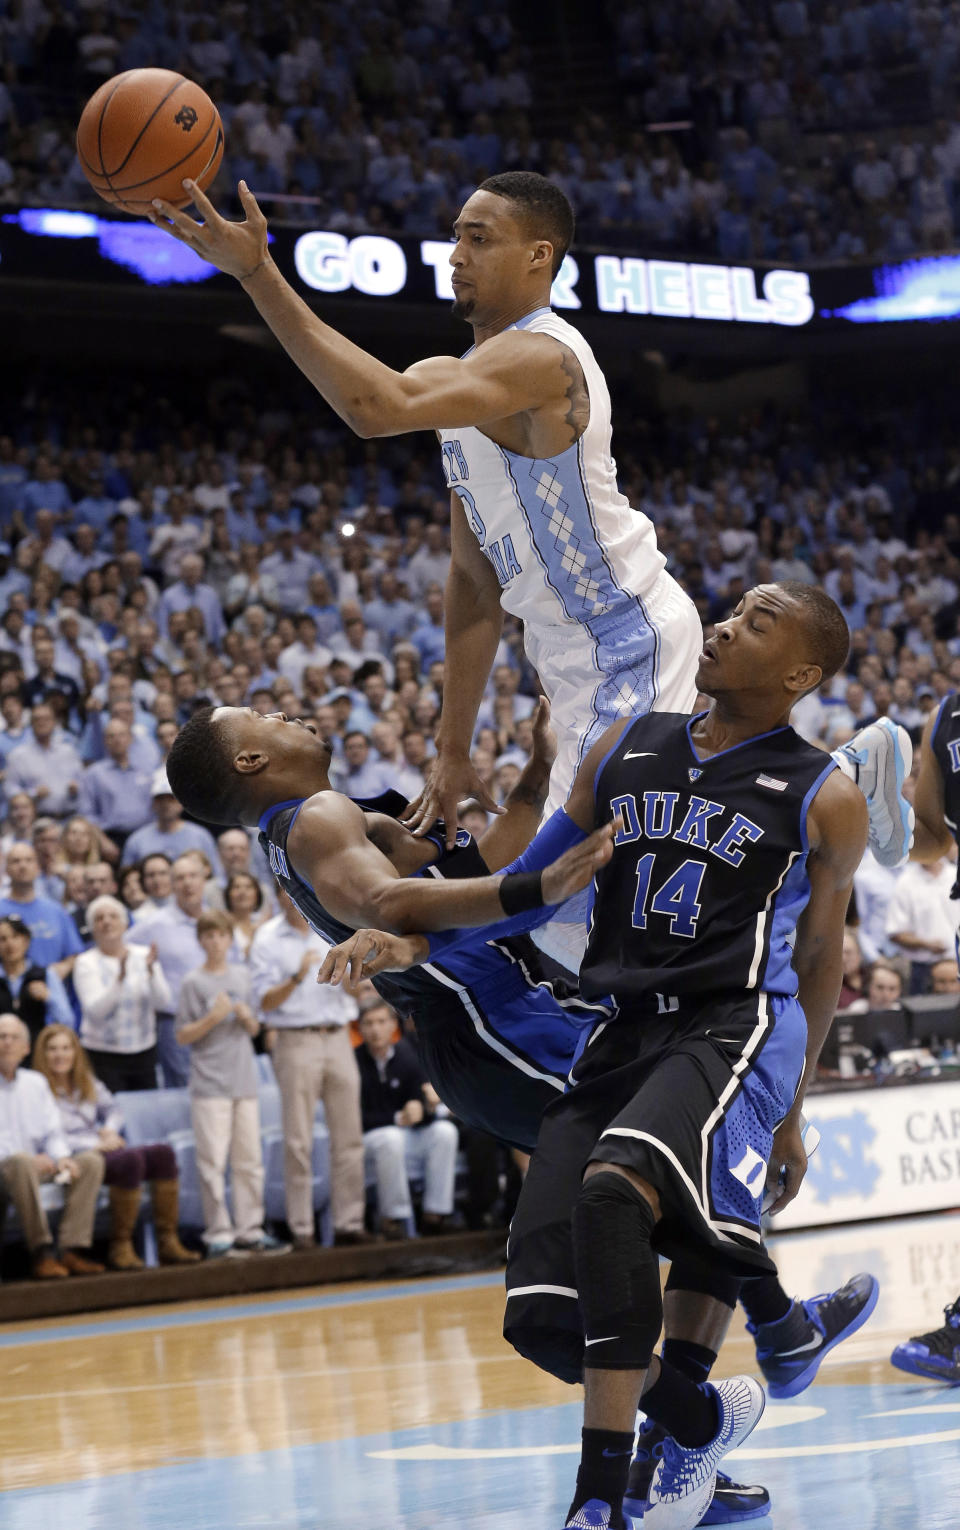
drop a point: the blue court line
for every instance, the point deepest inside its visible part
(229, 1314)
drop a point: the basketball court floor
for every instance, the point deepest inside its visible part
(400, 1408)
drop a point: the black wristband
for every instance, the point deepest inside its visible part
(521, 891)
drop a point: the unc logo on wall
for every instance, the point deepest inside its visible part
(843, 1164)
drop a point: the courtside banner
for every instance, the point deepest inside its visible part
(883, 1153)
(72, 246)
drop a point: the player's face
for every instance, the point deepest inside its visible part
(283, 738)
(490, 258)
(754, 647)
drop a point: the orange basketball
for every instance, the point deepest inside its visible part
(142, 132)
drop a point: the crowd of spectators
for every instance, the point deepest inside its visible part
(267, 558)
(796, 131)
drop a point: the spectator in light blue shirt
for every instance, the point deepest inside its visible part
(47, 766)
(389, 615)
(53, 934)
(189, 590)
(16, 725)
(359, 775)
(116, 795)
(45, 491)
(429, 638)
(169, 833)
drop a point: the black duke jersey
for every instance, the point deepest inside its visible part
(708, 875)
(945, 742)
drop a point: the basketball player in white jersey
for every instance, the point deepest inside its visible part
(538, 525)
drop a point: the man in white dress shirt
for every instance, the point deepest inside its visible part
(33, 1151)
(314, 1060)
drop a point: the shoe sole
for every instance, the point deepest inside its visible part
(637, 1508)
(903, 762)
(928, 1372)
(800, 1382)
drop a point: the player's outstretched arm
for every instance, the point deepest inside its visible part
(473, 621)
(513, 372)
(837, 825)
(932, 838)
(358, 885)
(510, 834)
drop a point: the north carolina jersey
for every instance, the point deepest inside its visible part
(494, 990)
(709, 871)
(610, 633)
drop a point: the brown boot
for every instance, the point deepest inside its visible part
(393, 1230)
(166, 1205)
(124, 1210)
(75, 1262)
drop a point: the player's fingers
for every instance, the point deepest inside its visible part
(412, 808)
(792, 1179)
(172, 221)
(250, 204)
(202, 202)
(486, 801)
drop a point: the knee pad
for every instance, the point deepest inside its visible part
(618, 1275)
(558, 1351)
(688, 1273)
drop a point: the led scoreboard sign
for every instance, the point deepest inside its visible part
(66, 245)
(669, 289)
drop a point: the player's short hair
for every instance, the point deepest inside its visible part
(200, 770)
(827, 633)
(544, 206)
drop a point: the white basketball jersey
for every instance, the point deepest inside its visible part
(567, 547)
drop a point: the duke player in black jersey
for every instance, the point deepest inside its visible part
(726, 892)
(937, 807)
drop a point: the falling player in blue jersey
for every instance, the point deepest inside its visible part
(724, 899)
(539, 526)
(937, 803)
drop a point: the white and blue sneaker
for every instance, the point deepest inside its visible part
(684, 1481)
(878, 759)
(733, 1502)
(265, 1243)
(595, 1515)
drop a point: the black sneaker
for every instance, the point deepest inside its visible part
(934, 1354)
(732, 1503)
(832, 1318)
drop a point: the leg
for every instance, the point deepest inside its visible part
(212, 1119)
(341, 1104)
(246, 1167)
(174, 1059)
(299, 1069)
(22, 1186)
(436, 1147)
(76, 1224)
(384, 1151)
(124, 1173)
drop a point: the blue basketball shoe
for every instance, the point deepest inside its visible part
(683, 1484)
(878, 759)
(933, 1354)
(831, 1318)
(732, 1502)
(595, 1515)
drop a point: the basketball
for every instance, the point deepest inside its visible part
(142, 133)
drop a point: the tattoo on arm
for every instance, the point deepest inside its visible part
(578, 399)
(532, 793)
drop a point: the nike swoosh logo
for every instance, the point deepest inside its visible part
(784, 1354)
(647, 754)
(741, 1491)
(610, 1340)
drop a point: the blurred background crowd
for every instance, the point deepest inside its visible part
(770, 130)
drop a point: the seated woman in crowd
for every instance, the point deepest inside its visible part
(119, 987)
(130, 889)
(854, 976)
(91, 1122)
(83, 844)
(243, 904)
(32, 992)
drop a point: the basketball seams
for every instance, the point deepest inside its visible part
(140, 207)
(116, 86)
(168, 169)
(182, 80)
